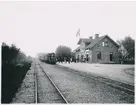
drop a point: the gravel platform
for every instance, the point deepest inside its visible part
(79, 89)
(116, 72)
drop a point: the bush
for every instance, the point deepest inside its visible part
(13, 71)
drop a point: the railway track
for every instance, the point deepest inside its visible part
(62, 98)
(58, 96)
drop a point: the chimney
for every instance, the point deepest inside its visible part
(96, 36)
(90, 37)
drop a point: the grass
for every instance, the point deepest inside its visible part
(12, 77)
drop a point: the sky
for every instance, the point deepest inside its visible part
(40, 27)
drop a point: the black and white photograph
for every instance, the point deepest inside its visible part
(67, 52)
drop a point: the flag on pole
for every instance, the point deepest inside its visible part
(78, 32)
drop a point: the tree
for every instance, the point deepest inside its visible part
(63, 53)
(119, 57)
(129, 44)
(9, 53)
(126, 52)
(21, 57)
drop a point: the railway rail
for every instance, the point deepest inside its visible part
(36, 86)
(53, 84)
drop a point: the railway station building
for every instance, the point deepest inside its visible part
(98, 50)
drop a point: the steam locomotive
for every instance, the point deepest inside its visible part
(48, 58)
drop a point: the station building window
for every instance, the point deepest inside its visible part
(103, 44)
(99, 55)
(106, 44)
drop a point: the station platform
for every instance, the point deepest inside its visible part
(117, 72)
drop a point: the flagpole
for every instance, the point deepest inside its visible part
(78, 36)
(78, 33)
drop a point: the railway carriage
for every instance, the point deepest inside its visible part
(49, 58)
